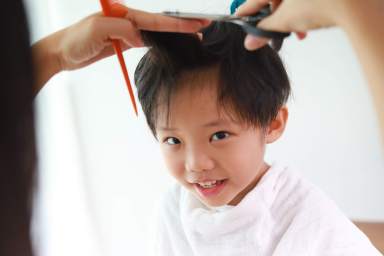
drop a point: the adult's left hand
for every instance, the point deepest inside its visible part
(89, 40)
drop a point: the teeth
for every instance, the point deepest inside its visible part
(208, 184)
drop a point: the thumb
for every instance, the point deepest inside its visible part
(274, 22)
(277, 21)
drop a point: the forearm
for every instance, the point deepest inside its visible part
(46, 61)
(363, 24)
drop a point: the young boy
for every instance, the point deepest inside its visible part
(213, 107)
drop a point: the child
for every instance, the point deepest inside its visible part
(213, 106)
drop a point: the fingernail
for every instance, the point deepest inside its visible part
(252, 42)
(200, 36)
(301, 35)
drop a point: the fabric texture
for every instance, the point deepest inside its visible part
(283, 215)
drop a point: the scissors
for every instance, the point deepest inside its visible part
(247, 23)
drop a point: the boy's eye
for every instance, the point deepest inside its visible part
(220, 135)
(172, 141)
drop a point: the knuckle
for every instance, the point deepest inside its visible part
(93, 23)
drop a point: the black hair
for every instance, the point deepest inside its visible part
(253, 85)
(17, 137)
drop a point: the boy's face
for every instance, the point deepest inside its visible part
(216, 158)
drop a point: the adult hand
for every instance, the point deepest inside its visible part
(359, 20)
(290, 16)
(90, 39)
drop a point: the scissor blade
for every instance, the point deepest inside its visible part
(207, 16)
(247, 23)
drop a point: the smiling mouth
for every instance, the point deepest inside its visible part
(210, 184)
(210, 188)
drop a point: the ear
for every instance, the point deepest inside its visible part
(277, 126)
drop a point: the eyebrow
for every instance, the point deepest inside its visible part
(214, 123)
(217, 122)
(167, 129)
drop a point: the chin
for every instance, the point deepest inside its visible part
(214, 203)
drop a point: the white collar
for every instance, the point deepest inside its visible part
(198, 218)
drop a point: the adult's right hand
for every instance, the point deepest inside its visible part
(291, 16)
(360, 20)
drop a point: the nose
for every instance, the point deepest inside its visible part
(197, 160)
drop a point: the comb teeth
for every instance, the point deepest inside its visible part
(114, 8)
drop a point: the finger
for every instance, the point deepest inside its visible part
(250, 7)
(107, 52)
(285, 19)
(120, 29)
(277, 21)
(200, 36)
(156, 22)
(275, 4)
(253, 43)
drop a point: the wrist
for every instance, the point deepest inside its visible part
(46, 58)
(351, 12)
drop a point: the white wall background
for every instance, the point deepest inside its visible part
(100, 169)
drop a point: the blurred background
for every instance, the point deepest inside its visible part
(101, 173)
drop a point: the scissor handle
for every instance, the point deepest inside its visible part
(250, 29)
(249, 25)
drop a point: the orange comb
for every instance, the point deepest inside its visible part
(115, 9)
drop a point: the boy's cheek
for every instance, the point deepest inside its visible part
(174, 164)
(179, 174)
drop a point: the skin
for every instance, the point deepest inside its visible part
(66, 50)
(202, 142)
(359, 19)
(89, 40)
